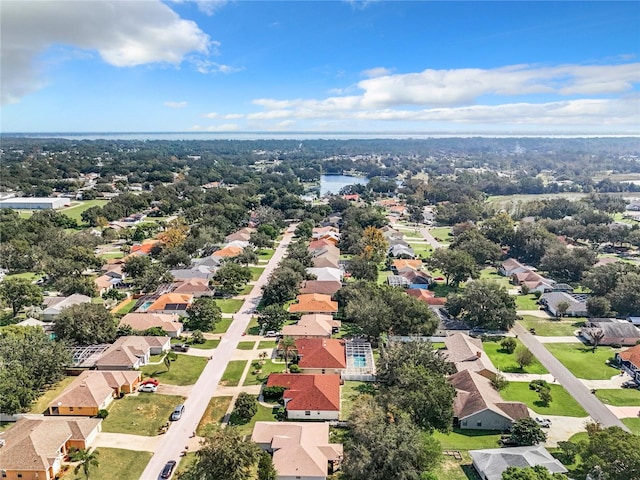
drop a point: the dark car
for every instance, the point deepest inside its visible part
(168, 469)
(180, 347)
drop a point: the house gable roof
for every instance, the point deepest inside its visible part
(466, 353)
(321, 353)
(314, 302)
(308, 392)
(314, 325)
(142, 321)
(492, 462)
(92, 387)
(126, 351)
(326, 287)
(171, 301)
(631, 355)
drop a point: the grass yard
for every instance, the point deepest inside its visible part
(231, 376)
(383, 275)
(442, 290)
(267, 369)
(562, 402)
(115, 463)
(41, 405)
(126, 307)
(207, 345)
(246, 345)
(583, 362)
(112, 255)
(230, 305)
(75, 211)
(266, 253)
(213, 415)
(467, 439)
(422, 250)
(348, 394)
(442, 234)
(31, 276)
(527, 302)
(490, 273)
(452, 469)
(619, 397)
(438, 345)
(185, 370)
(256, 272)
(633, 424)
(267, 344)
(506, 362)
(550, 327)
(264, 414)
(188, 460)
(222, 326)
(245, 290)
(143, 414)
(253, 328)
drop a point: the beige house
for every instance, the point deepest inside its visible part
(315, 325)
(132, 352)
(466, 353)
(301, 451)
(142, 321)
(93, 390)
(54, 305)
(34, 448)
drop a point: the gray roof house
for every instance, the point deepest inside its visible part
(401, 251)
(615, 331)
(577, 303)
(466, 353)
(54, 305)
(490, 463)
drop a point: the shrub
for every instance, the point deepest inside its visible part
(294, 368)
(538, 385)
(616, 345)
(524, 289)
(537, 293)
(273, 393)
(102, 413)
(545, 396)
(246, 406)
(499, 382)
(509, 344)
(197, 337)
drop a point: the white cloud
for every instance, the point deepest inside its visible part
(377, 72)
(175, 104)
(203, 65)
(210, 6)
(124, 33)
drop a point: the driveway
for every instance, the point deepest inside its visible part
(430, 238)
(179, 434)
(574, 386)
(562, 428)
(127, 442)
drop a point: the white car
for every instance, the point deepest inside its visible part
(148, 387)
(543, 422)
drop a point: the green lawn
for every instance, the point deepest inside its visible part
(143, 414)
(562, 402)
(31, 276)
(245, 290)
(468, 439)
(256, 272)
(264, 414)
(506, 362)
(550, 327)
(126, 307)
(207, 345)
(266, 253)
(619, 397)
(222, 326)
(246, 345)
(75, 211)
(438, 345)
(267, 344)
(633, 424)
(213, 415)
(41, 405)
(267, 369)
(184, 371)
(253, 328)
(442, 234)
(526, 302)
(230, 305)
(383, 275)
(115, 463)
(109, 256)
(232, 374)
(348, 394)
(422, 250)
(490, 273)
(583, 362)
(452, 469)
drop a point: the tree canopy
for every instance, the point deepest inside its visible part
(85, 324)
(483, 304)
(203, 314)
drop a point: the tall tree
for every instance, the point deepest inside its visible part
(288, 344)
(272, 317)
(537, 472)
(231, 277)
(86, 324)
(526, 431)
(479, 247)
(484, 304)
(203, 314)
(20, 292)
(374, 245)
(613, 452)
(499, 229)
(456, 265)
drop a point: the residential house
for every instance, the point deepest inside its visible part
(244, 234)
(326, 274)
(397, 281)
(326, 287)
(300, 450)
(512, 266)
(320, 244)
(131, 352)
(577, 303)
(227, 252)
(533, 281)
(171, 303)
(34, 322)
(479, 406)
(326, 260)
(199, 271)
(466, 353)
(143, 321)
(321, 355)
(401, 250)
(312, 326)
(104, 283)
(417, 278)
(491, 463)
(198, 287)
(314, 303)
(400, 265)
(34, 448)
(54, 305)
(426, 296)
(398, 211)
(616, 332)
(629, 360)
(309, 397)
(237, 243)
(145, 247)
(93, 390)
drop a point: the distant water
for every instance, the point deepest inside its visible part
(334, 183)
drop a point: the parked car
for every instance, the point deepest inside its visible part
(149, 381)
(271, 334)
(168, 469)
(543, 422)
(177, 413)
(180, 347)
(629, 384)
(507, 441)
(148, 387)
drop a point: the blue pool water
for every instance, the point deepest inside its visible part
(145, 306)
(359, 361)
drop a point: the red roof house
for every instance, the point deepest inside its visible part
(309, 397)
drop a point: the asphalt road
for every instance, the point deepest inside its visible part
(430, 238)
(575, 387)
(174, 441)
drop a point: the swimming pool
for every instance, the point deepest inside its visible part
(359, 361)
(145, 306)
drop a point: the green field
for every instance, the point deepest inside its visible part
(256, 272)
(31, 276)
(550, 327)
(222, 326)
(115, 463)
(230, 305)
(349, 392)
(143, 414)
(246, 345)
(441, 234)
(467, 439)
(506, 362)
(265, 370)
(618, 397)
(213, 415)
(267, 344)
(75, 211)
(184, 371)
(383, 275)
(633, 424)
(41, 405)
(231, 376)
(490, 273)
(583, 362)
(562, 402)
(527, 302)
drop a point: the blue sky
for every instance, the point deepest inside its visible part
(524, 67)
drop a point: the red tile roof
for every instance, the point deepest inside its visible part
(314, 302)
(426, 296)
(321, 353)
(631, 355)
(308, 392)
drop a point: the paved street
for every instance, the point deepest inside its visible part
(575, 387)
(174, 441)
(430, 238)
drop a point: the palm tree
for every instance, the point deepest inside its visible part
(86, 458)
(168, 358)
(288, 344)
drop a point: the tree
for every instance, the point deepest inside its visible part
(224, 455)
(596, 334)
(561, 309)
(374, 245)
(603, 279)
(499, 382)
(537, 472)
(246, 407)
(288, 344)
(625, 297)
(266, 470)
(545, 396)
(475, 244)
(566, 264)
(168, 358)
(272, 318)
(526, 431)
(136, 266)
(85, 324)
(363, 269)
(231, 277)
(203, 314)
(524, 357)
(79, 284)
(20, 292)
(509, 345)
(613, 451)
(598, 307)
(284, 284)
(175, 234)
(87, 460)
(261, 240)
(484, 304)
(385, 445)
(499, 229)
(247, 257)
(197, 337)
(304, 230)
(456, 265)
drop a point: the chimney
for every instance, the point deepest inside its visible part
(478, 354)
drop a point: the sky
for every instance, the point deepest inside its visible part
(320, 66)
